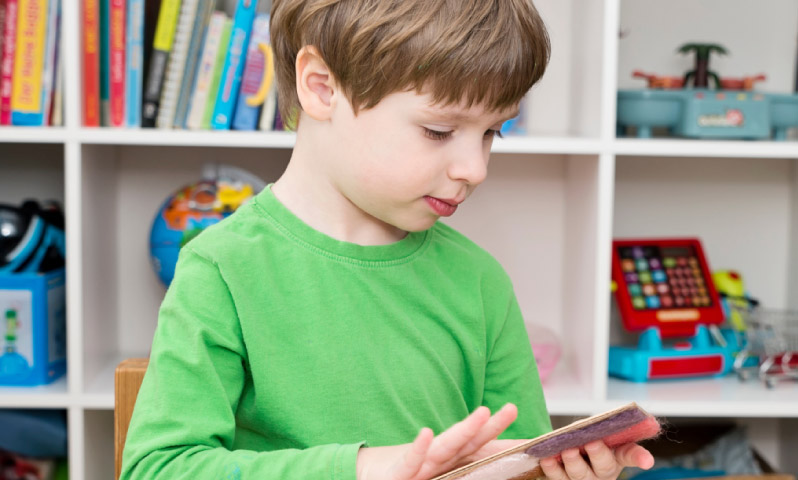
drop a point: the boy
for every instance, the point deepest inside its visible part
(329, 326)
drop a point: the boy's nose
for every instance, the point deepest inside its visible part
(470, 166)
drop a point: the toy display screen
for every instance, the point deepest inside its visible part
(664, 277)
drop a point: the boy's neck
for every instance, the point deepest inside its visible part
(308, 193)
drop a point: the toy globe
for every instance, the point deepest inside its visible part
(195, 207)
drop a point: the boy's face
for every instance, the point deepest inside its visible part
(408, 162)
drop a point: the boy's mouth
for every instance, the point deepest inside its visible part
(442, 207)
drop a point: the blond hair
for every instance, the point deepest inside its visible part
(484, 52)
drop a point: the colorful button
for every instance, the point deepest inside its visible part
(631, 277)
(655, 263)
(662, 288)
(658, 276)
(679, 301)
(681, 261)
(669, 262)
(638, 303)
(642, 265)
(634, 290)
(628, 265)
(667, 301)
(645, 277)
(692, 261)
(652, 302)
(649, 290)
(637, 252)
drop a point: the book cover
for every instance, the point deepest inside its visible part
(91, 63)
(233, 65)
(57, 110)
(216, 76)
(205, 67)
(7, 60)
(161, 46)
(50, 56)
(625, 424)
(105, 78)
(258, 77)
(269, 111)
(134, 62)
(177, 64)
(204, 11)
(26, 105)
(116, 66)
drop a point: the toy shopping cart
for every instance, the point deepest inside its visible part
(771, 336)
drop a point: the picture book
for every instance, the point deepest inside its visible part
(258, 78)
(205, 66)
(134, 62)
(26, 105)
(161, 47)
(218, 64)
(91, 63)
(198, 29)
(116, 66)
(7, 60)
(177, 63)
(625, 424)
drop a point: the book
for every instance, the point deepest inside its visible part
(204, 12)
(230, 82)
(177, 64)
(213, 87)
(2, 21)
(91, 63)
(625, 424)
(134, 63)
(269, 111)
(258, 77)
(7, 60)
(205, 68)
(50, 56)
(161, 47)
(57, 110)
(26, 105)
(116, 68)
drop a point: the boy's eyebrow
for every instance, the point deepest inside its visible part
(456, 115)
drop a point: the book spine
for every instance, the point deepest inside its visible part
(2, 21)
(267, 114)
(105, 84)
(233, 65)
(161, 46)
(134, 62)
(117, 49)
(204, 73)
(177, 64)
(26, 106)
(91, 63)
(258, 76)
(204, 11)
(57, 111)
(48, 71)
(213, 88)
(7, 60)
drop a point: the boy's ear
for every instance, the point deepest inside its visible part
(315, 84)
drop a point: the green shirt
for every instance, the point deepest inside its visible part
(280, 351)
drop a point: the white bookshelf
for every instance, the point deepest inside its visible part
(552, 203)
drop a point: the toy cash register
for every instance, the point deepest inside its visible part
(665, 290)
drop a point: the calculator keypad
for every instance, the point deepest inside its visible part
(658, 278)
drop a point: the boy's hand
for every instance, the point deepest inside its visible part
(605, 464)
(428, 456)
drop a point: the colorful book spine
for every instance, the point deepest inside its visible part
(216, 78)
(7, 60)
(105, 78)
(134, 62)
(233, 65)
(117, 66)
(176, 65)
(26, 105)
(51, 47)
(57, 110)
(205, 67)
(161, 46)
(204, 12)
(258, 76)
(91, 63)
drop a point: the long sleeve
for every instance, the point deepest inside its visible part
(184, 423)
(511, 373)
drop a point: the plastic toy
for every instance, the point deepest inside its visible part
(195, 207)
(695, 107)
(664, 291)
(31, 238)
(546, 348)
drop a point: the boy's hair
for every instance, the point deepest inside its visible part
(478, 52)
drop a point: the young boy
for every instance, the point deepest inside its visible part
(332, 324)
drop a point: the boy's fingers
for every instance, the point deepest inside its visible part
(575, 466)
(552, 469)
(492, 428)
(602, 460)
(633, 455)
(415, 456)
(447, 445)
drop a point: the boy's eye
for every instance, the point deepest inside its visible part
(494, 133)
(436, 134)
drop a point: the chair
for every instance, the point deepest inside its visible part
(127, 379)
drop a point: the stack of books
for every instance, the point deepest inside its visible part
(186, 64)
(31, 85)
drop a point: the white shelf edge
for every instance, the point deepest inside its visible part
(33, 135)
(186, 138)
(52, 395)
(547, 145)
(705, 148)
